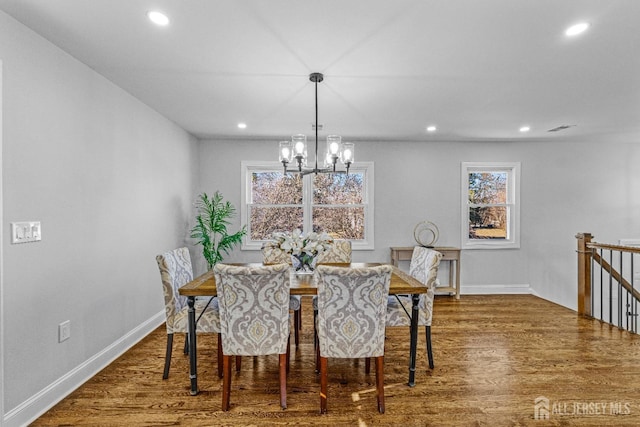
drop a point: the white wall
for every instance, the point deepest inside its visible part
(1, 263)
(566, 188)
(112, 182)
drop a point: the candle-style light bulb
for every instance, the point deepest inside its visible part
(347, 152)
(286, 152)
(299, 145)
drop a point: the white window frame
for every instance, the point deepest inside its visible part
(247, 167)
(513, 205)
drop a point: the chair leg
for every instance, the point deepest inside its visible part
(186, 343)
(296, 326)
(220, 355)
(315, 331)
(226, 383)
(167, 357)
(367, 365)
(238, 363)
(288, 354)
(317, 348)
(284, 369)
(380, 382)
(429, 348)
(323, 385)
(300, 317)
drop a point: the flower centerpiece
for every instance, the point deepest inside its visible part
(303, 249)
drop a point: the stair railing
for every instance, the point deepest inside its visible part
(606, 287)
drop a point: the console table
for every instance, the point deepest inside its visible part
(452, 255)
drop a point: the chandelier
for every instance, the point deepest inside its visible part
(296, 149)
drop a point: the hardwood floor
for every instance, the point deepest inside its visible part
(494, 355)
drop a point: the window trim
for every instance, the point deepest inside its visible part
(513, 202)
(248, 166)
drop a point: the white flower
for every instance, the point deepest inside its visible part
(296, 243)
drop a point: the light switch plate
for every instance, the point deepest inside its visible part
(25, 231)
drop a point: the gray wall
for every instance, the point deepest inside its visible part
(566, 188)
(111, 181)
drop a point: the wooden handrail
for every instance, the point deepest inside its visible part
(595, 245)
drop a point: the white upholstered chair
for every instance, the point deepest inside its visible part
(176, 271)
(254, 317)
(352, 306)
(424, 268)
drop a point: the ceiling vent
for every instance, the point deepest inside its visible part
(559, 128)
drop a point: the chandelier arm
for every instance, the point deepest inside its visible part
(316, 171)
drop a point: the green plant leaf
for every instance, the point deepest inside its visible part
(210, 229)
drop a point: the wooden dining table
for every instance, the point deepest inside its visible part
(303, 284)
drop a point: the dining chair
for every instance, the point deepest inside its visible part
(274, 255)
(176, 271)
(352, 306)
(254, 317)
(424, 268)
(340, 252)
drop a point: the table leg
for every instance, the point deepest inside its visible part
(193, 368)
(415, 298)
(458, 279)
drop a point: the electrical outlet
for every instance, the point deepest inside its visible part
(26, 231)
(64, 331)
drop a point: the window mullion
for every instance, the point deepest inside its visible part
(307, 199)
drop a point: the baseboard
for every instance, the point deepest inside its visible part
(495, 289)
(44, 400)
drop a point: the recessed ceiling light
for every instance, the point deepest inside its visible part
(242, 125)
(576, 29)
(158, 18)
(525, 129)
(431, 128)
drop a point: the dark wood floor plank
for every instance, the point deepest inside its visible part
(494, 356)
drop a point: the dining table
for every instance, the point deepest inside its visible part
(302, 284)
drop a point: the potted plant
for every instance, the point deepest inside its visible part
(211, 227)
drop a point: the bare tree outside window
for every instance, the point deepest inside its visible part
(338, 204)
(487, 205)
(491, 205)
(276, 203)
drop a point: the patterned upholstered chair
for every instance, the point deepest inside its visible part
(254, 317)
(423, 267)
(175, 271)
(274, 255)
(352, 306)
(340, 252)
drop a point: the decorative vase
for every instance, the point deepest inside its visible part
(303, 263)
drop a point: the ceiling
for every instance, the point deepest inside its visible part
(478, 70)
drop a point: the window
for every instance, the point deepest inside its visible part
(490, 205)
(339, 204)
